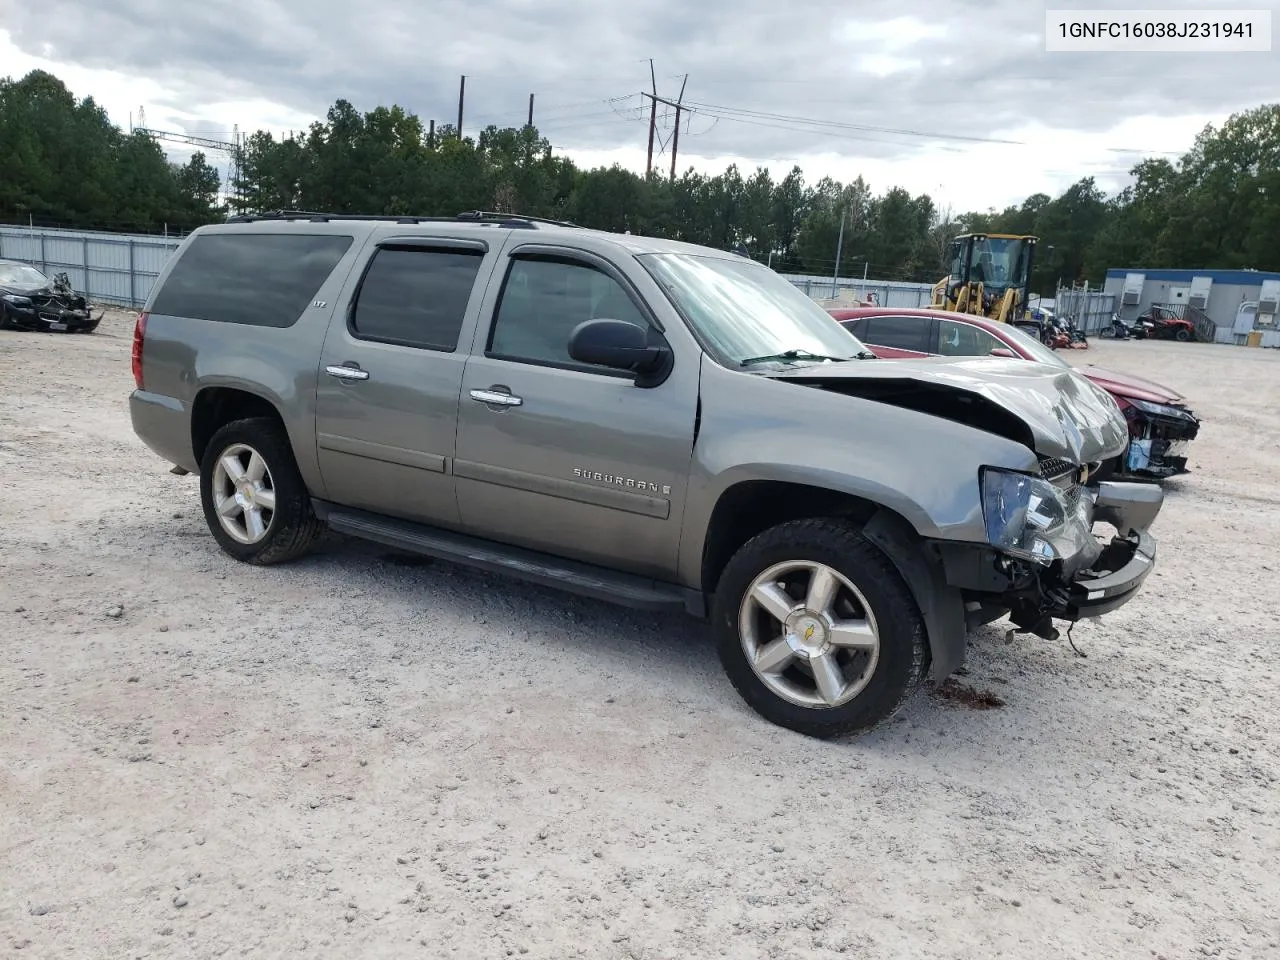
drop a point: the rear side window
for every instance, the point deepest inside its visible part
(902, 333)
(957, 339)
(263, 279)
(416, 296)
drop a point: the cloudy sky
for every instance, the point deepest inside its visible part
(872, 87)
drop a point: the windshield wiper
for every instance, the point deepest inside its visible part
(794, 355)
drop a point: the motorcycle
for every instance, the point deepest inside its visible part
(1119, 330)
(1061, 333)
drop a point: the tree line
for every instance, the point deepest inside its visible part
(1217, 206)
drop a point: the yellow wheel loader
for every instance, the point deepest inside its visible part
(990, 276)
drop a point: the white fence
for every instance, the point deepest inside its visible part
(887, 293)
(107, 267)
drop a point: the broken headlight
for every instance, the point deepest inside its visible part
(1161, 409)
(1028, 517)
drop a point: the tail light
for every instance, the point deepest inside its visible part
(139, 334)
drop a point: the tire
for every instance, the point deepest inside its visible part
(1107, 333)
(290, 529)
(880, 681)
(1182, 335)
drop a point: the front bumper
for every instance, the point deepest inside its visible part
(1124, 563)
(57, 320)
(993, 584)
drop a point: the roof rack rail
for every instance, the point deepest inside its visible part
(509, 220)
(490, 215)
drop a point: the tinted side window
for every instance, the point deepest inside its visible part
(415, 296)
(857, 326)
(262, 279)
(957, 339)
(543, 300)
(904, 333)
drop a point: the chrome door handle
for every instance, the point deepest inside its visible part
(493, 396)
(343, 372)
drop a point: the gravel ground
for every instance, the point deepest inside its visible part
(357, 756)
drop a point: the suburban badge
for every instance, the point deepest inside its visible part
(627, 482)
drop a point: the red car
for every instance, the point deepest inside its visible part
(1160, 425)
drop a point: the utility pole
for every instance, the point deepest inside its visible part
(653, 119)
(835, 278)
(431, 136)
(675, 137)
(462, 93)
(678, 106)
(531, 109)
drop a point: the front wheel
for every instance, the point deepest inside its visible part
(1182, 335)
(254, 499)
(817, 630)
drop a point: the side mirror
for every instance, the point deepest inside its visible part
(619, 345)
(1004, 352)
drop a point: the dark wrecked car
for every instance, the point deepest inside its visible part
(31, 301)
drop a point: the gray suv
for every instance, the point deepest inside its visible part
(657, 424)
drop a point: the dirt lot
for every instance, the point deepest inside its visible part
(356, 757)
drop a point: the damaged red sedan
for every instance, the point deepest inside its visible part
(1160, 425)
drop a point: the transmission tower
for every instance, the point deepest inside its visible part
(232, 149)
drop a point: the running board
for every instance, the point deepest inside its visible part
(572, 576)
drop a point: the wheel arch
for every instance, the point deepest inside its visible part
(750, 507)
(213, 407)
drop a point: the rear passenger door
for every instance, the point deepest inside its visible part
(390, 375)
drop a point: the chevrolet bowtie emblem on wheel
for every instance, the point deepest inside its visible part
(808, 633)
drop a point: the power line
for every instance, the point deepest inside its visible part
(731, 113)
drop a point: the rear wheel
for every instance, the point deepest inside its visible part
(817, 630)
(254, 500)
(1182, 335)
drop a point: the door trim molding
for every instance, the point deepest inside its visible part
(432, 462)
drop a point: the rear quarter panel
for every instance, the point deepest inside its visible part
(184, 355)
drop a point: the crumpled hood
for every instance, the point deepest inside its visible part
(22, 291)
(1068, 416)
(1127, 385)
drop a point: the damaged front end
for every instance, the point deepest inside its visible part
(1159, 434)
(1045, 561)
(56, 307)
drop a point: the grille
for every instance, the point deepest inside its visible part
(1064, 475)
(1055, 471)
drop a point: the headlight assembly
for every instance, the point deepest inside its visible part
(1021, 512)
(1028, 517)
(1160, 409)
(15, 300)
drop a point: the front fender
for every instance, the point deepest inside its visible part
(921, 467)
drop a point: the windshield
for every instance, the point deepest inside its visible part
(1038, 351)
(20, 275)
(998, 263)
(742, 310)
